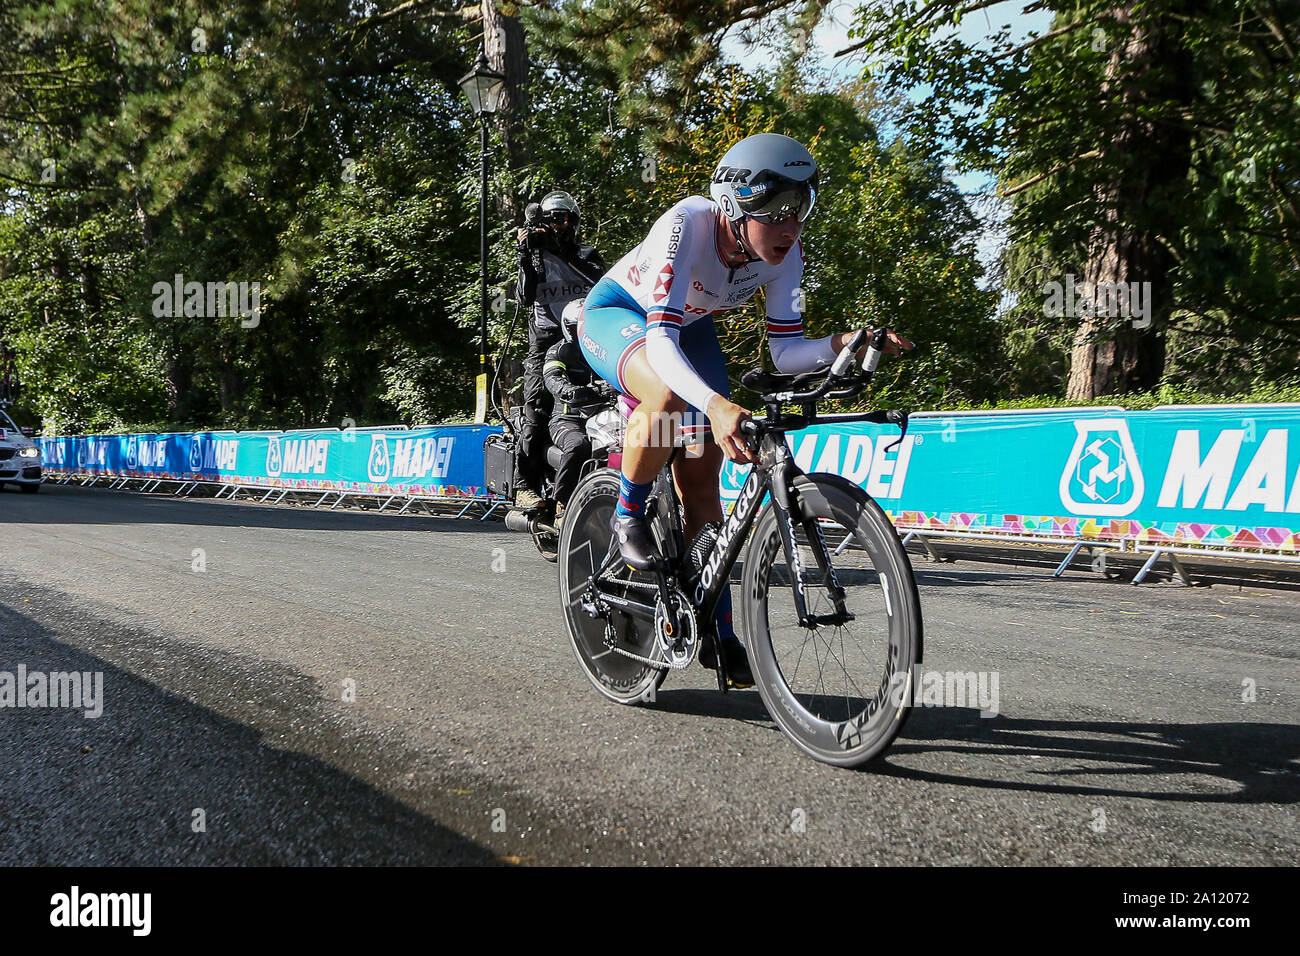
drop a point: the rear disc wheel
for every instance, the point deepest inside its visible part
(585, 539)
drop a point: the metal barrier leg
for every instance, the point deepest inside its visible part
(495, 506)
(388, 501)
(265, 496)
(283, 492)
(409, 501)
(1178, 566)
(1141, 575)
(1070, 557)
(341, 495)
(934, 555)
(321, 499)
(463, 510)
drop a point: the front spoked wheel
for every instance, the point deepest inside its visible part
(597, 641)
(839, 689)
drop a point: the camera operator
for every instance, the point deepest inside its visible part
(553, 271)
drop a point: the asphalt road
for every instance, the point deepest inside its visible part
(225, 738)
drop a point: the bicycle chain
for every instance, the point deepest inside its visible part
(611, 641)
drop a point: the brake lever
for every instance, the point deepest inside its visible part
(898, 417)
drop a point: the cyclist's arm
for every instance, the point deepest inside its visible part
(791, 352)
(664, 317)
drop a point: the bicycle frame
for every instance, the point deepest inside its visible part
(777, 473)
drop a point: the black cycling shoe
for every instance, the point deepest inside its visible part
(739, 675)
(635, 545)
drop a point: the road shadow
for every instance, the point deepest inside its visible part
(1259, 759)
(745, 706)
(122, 789)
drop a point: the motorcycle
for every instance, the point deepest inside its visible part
(605, 427)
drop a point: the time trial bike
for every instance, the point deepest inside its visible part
(827, 601)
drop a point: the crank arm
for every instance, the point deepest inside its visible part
(633, 609)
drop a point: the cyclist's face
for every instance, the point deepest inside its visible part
(772, 242)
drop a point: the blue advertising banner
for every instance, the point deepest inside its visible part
(1224, 476)
(1227, 476)
(441, 461)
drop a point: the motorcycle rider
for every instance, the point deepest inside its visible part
(570, 380)
(554, 269)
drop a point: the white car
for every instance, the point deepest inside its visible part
(20, 457)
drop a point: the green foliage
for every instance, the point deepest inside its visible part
(295, 145)
(1188, 146)
(327, 154)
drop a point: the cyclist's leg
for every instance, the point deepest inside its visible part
(696, 478)
(612, 338)
(696, 473)
(649, 430)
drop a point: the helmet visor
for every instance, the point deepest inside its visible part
(774, 198)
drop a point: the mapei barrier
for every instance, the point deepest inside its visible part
(1216, 480)
(437, 462)
(1222, 480)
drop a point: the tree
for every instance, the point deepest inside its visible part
(1120, 137)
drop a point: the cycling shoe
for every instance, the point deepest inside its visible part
(739, 675)
(635, 545)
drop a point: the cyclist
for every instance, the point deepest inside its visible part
(647, 330)
(553, 271)
(569, 379)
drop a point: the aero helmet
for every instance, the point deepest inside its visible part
(767, 177)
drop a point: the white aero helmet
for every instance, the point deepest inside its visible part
(767, 177)
(571, 317)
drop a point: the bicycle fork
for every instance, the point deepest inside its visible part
(785, 495)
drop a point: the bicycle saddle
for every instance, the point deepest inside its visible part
(765, 382)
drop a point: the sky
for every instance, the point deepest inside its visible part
(832, 35)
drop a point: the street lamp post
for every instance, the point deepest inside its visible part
(483, 88)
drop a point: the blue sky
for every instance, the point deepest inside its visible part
(832, 35)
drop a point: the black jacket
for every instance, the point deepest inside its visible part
(569, 379)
